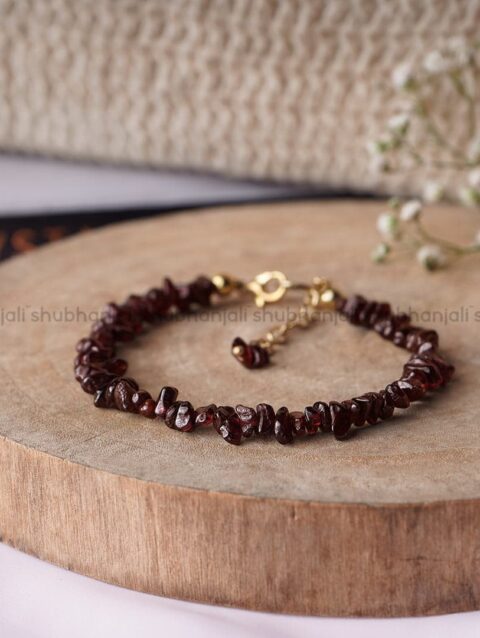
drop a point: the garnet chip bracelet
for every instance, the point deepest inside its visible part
(102, 374)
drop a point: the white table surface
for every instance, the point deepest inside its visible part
(36, 186)
(38, 600)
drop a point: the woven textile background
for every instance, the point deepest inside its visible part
(263, 88)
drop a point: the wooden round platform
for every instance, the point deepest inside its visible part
(387, 523)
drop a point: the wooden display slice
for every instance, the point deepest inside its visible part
(387, 523)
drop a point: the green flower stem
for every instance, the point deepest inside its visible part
(463, 92)
(448, 245)
(437, 164)
(435, 133)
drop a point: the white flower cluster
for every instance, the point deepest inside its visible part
(455, 55)
(470, 195)
(398, 149)
(432, 256)
(451, 60)
(393, 225)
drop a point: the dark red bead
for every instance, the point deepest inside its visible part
(353, 307)
(341, 420)
(100, 400)
(118, 324)
(96, 380)
(297, 421)
(195, 294)
(425, 348)
(391, 325)
(109, 390)
(89, 346)
(351, 407)
(429, 337)
(387, 410)
(205, 416)
(223, 412)
(382, 311)
(81, 372)
(140, 307)
(201, 291)
(124, 334)
(250, 355)
(385, 328)
(430, 370)
(418, 377)
(418, 337)
(95, 358)
(266, 418)
(412, 339)
(131, 381)
(103, 334)
(227, 424)
(325, 417)
(413, 389)
(157, 302)
(359, 410)
(399, 338)
(184, 301)
(84, 345)
(171, 293)
(123, 395)
(116, 366)
(312, 420)
(283, 426)
(139, 398)
(148, 409)
(166, 398)
(375, 406)
(396, 397)
(122, 318)
(446, 369)
(171, 414)
(181, 416)
(366, 313)
(248, 420)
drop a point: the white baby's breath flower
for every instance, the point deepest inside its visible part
(387, 225)
(380, 252)
(433, 192)
(411, 210)
(432, 256)
(455, 54)
(402, 76)
(374, 148)
(459, 50)
(436, 62)
(474, 178)
(399, 123)
(469, 196)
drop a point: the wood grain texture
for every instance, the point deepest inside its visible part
(384, 524)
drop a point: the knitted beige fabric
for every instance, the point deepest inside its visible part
(286, 89)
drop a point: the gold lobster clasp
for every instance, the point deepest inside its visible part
(270, 286)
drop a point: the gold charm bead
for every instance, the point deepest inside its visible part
(226, 284)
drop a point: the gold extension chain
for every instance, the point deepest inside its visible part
(270, 287)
